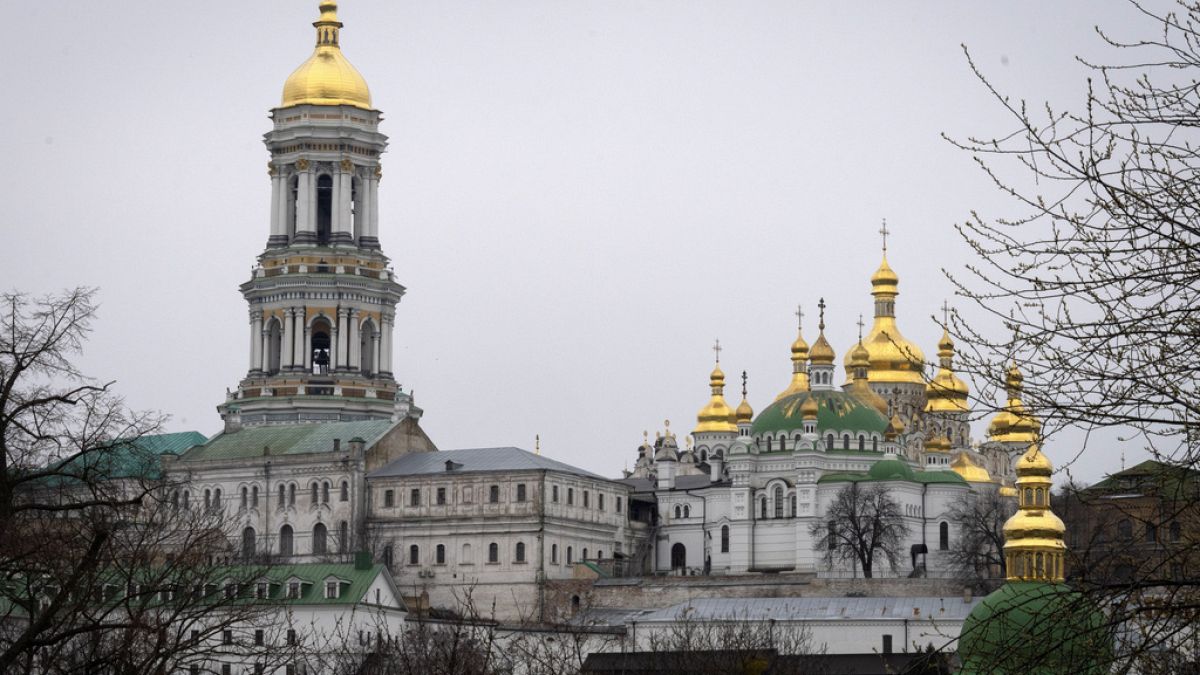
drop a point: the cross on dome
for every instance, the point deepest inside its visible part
(717, 350)
(800, 317)
(884, 231)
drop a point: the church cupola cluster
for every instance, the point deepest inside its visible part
(322, 298)
(820, 358)
(946, 406)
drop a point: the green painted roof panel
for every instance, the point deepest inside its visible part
(287, 439)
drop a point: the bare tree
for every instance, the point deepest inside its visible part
(978, 552)
(860, 524)
(98, 569)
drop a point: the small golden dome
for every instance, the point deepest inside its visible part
(1034, 463)
(744, 413)
(859, 357)
(946, 392)
(861, 387)
(885, 279)
(716, 416)
(821, 353)
(326, 78)
(937, 444)
(810, 408)
(1034, 547)
(964, 465)
(1014, 424)
(799, 381)
(897, 425)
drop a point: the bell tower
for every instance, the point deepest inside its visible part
(322, 297)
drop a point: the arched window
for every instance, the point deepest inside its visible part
(216, 499)
(768, 444)
(687, 511)
(829, 442)
(1173, 531)
(325, 492)
(440, 554)
(248, 543)
(678, 557)
(520, 551)
(319, 545)
(366, 350)
(793, 499)
(282, 496)
(343, 537)
(862, 442)
(389, 556)
(324, 208)
(762, 508)
(414, 555)
(274, 345)
(944, 536)
(466, 555)
(678, 511)
(554, 553)
(285, 540)
(583, 556)
(320, 345)
(1039, 499)
(292, 494)
(845, 441)
(832, 536)
(778, 501)
(570, 553)
(187, 499)
(724, 539)
(493, 552)
(874, 444)
(175, 500)
(245, 497)
(207, 499)
(345, 493)
(254, 496)
(316, 495)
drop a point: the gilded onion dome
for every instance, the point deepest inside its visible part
(1014, 424)
(946, 393)
(717, 416)
(821, 353)
(744, 412)
(799, 381)
(326, 78)
(893, 358)
(1033, 536)
(809, 409)
(964, 465)
(859, 364)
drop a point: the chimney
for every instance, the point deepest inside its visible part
(356, 446)
(362, 560)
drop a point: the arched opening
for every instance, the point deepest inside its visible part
(493, 552)
(325, 492)
(319, 543)
(248, 543)
(274, 345)
(793, 500)
(367, 347)
(845, 441)
(466, 555)
(724, 539)
(678, 557)
(343, 537)
(324, 208)
(285, 540)
(762, 508)
(344, 494)
(414, 554)
(862, 442)
(520, 551)
(944, 536)
(320, 344)
(678, 511)
(829, 442)
(779, 501)
(570, 555)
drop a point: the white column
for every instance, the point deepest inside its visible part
(305, 203)
(286, 344)
(343, 221)
(298, 336)
(276, 188)
(343, 334)
(256, 340)
(335, 218)
(385, 356)
(372, 229)
(376, 344)
(355, 342)
(335, 331)
(283, 207)
(307, 345)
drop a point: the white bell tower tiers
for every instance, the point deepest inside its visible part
(322, 298)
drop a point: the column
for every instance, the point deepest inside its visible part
(305, 205)
(308, 368)
(385, 355)
(276, 218)
(355, 341)
(362, 210)
(298, 336)
(335, 359)
(263, 350)
(343, 334)
(284, 206)
(376, 343)
(343, 225)
(373, 200)
(285, 346)
(256, 340)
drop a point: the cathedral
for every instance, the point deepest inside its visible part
(744, 494)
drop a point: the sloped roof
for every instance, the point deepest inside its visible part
(693, 481)
(798, 609)
(475, 460)
(316, 574)
(287, 439)
(1151, 477)
(128, 458)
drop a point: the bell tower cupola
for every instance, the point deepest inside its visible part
(322, 298)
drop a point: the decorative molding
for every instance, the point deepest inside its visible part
(302, 164)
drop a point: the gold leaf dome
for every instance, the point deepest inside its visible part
(810, 408)
(894, 358)
(964, 465)
(799, 381)
(1034, 548)
(885, 279)
(744, 412)
(821, 353)
(716, 416)
(326, 78)
(861, 388)
(1014, 424)
(946, 393)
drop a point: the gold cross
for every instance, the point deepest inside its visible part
(717, 349)
(743, 384)
(860, 327)
(821, 324)
(800, 317)
(945, 314)
(884, 231)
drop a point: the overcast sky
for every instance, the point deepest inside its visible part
(578, 196)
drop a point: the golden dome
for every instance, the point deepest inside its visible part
(964, 465)
(326, 78)
(885, 279)
(1014, 424)
(946, 393)
(1034, 549)
(799, 381)
(717, 415)
(810, 408)
(861, 387)
(893, 358)
(897, 425)
(821, 353)
(937, 444)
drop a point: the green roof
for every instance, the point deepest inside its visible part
(287, 439)
(893, 470)
(1035, 628)
(1151, 477)
(313, 576)
(133, 458)
(836, 411)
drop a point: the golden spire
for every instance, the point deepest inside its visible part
(717, 415)
(327, 78)
(799, 381)
(744, 412)
(822, 353)
(894, 359)
(1033, 537)
(859, 364)
(1014, 424)
(946, 392)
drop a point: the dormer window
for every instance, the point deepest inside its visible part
(260, 590)
(294, 590)
(331, 589)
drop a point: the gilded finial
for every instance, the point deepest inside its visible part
(667, 429)
(800, 317)
(821, 305)
(883, 231)
(717, 350)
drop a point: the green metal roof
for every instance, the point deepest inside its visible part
(894, 470)
(313, 576)
(133, 458)
(1151, 477)
(836, 411)
(287, 439)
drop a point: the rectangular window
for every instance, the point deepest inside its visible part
(260, 590)
(258, 637)
(441, 496)
(226, 669)
(554, 493)
(586, 501)
(570, 496)
(291, 636)
(331, 589)
(195, 636)
(520, 492)
(618, 504)
(600, 501)
(494, 494)
(887, 644)
(414, 498)
(294, 590)
(389, 498)
(226, 637)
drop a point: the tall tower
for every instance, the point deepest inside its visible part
(322, 297)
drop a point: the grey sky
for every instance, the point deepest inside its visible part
(579, 196)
